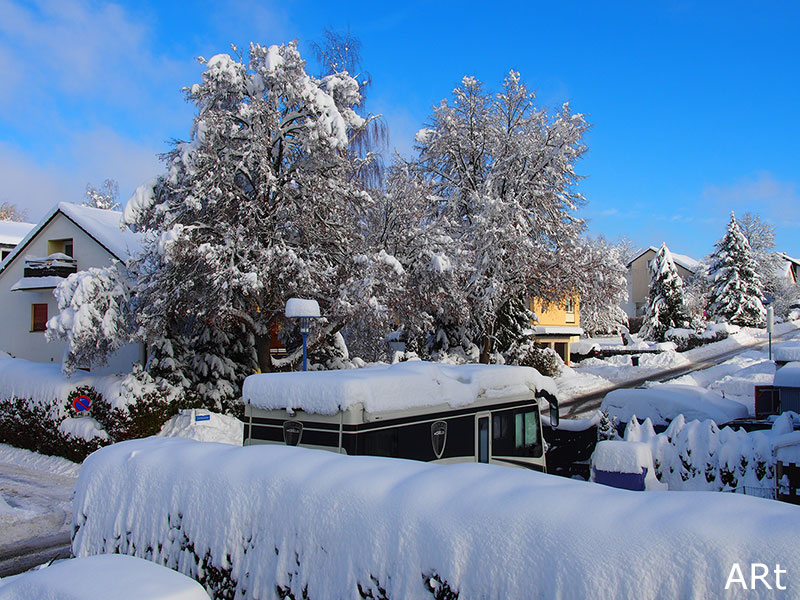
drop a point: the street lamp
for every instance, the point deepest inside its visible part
(305, 310)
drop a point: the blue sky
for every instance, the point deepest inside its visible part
(693, 105)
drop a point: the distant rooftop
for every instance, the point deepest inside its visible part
(13, 232)
(687, 262)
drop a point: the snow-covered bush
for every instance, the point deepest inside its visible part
(267, 521)
(545, 360)
(698, 455)
(686, 339)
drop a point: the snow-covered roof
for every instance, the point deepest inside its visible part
(556, 330)
(12, 232)
(788, 376)
(662, 403)
(37, 283)
(102, 225)
(687, 262)
(385, 388)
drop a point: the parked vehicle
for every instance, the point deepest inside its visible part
(416, 410)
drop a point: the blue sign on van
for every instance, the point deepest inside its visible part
(202, 418)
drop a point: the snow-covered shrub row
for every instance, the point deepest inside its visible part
(698, 455)
(267, 521)
(686, 339)
(36, 408)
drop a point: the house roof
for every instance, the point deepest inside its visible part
(12, 232)
(687, 262)
(101, 225)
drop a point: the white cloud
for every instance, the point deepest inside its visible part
(760, 193)
(101, 154)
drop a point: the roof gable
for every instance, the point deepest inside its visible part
(103, 226)
(687, 262)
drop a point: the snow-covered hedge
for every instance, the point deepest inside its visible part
(276, 521)
(686, 339)
(698, 455)
(36, 408)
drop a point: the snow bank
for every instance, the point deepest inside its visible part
(204, 426)
(102, 577)
(391, 387)
(54, 465)
(662, 403)
(275, 518)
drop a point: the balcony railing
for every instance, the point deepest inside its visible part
(55, 265)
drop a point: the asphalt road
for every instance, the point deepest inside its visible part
(580, 404)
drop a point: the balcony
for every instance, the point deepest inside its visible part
(55, 265)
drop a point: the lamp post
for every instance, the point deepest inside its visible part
(304, 310)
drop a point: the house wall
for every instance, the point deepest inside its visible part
(556, 314)
(16, 336)
(638, 280)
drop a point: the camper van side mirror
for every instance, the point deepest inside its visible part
(554, 417)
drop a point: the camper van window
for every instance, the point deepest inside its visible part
(516, 433)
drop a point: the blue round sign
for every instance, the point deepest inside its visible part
(82, 403)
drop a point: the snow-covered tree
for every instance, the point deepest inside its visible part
(11, 212)
(105, 197)
(665, 304)
(94, 315)
(501, 185)
(604, 287)
(770, 265)
(737, 289)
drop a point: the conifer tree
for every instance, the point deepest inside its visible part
(737, 289)
(665, 304)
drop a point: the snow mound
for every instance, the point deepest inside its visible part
(662, 403)
(55, 465)
(391, 387)
(204, 426)
(85, 428)
(100, 578)
(277, 517)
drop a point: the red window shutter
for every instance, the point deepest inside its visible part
(39, 317)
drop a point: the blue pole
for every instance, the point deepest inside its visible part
(305, 336)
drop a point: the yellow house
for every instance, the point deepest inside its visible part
(558, 326)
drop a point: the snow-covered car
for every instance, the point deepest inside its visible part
(662, 403)
(102, 577)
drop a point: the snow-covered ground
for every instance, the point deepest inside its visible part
(35, 496)
(36, 490)
(734, 377)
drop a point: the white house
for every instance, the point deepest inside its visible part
(639, 278)
(11, 234)
(68, 239)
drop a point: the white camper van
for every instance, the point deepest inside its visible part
(417, 410)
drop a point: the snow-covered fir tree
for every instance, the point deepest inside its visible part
(105, 197)
(500, 185)
(737, 291)
(665, 304)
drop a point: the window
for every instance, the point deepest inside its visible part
(570, 305)
(4, 254)
(64, 246)
(38, 317)
(516, 433)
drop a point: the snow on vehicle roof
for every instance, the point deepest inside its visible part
(786, 352)
(100, 577)
(788, 376)
(391, 387)
(662, 403)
